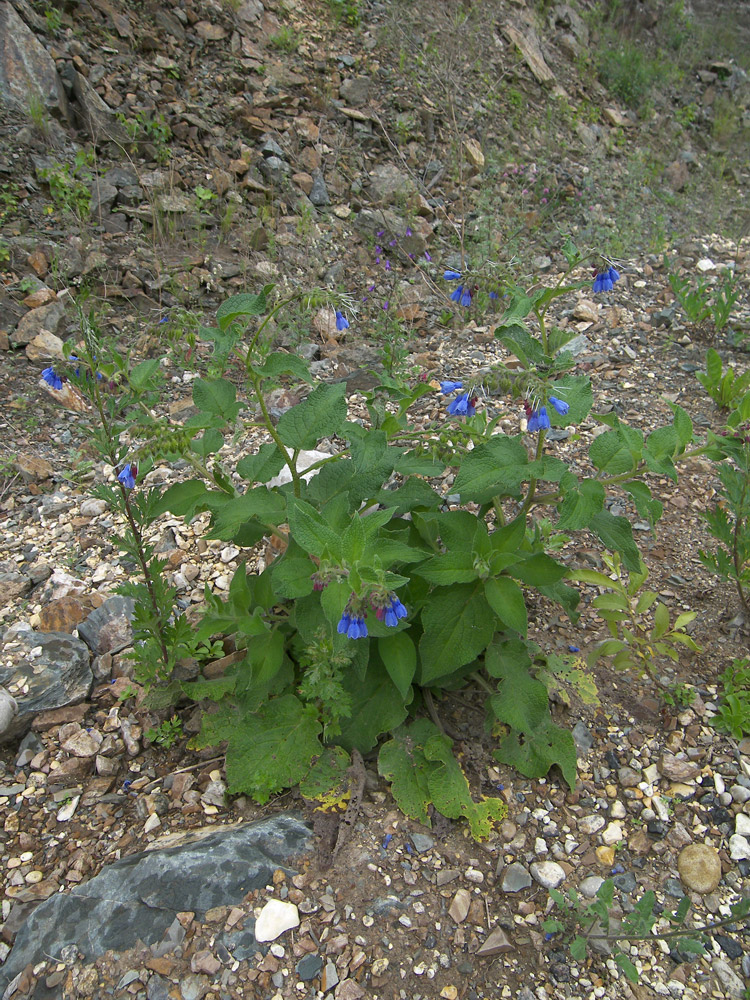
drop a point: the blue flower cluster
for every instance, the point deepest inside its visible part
(605, 280)
(353, 626)
(392, 613)
(462, 406)
(462, 293)
(342, 323)
(538, 418)
(51, 377)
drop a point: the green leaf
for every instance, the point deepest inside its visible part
(610, 453)
(402, 762)
(453, 567)
(376, 707)
(617, 535)
(450, 792)
(280, 363)
(458, 624)
(399, 655)
(644, 503)
(204, 689)
(183, 499)
(208, 444)
(217, 397)
(535, 743)
(538, 570)
(631, 973)
(578, 948)
(230, 514)
(683, 426)
(579, 505)
(353, 541)
(272, 748)
(244, 304)
(310, 531)
(415, 494)
(495, 468)
(292, 575)
(506, 599)
(259, 468)
(321, 414)
(142, 376)
(326, 782)
(575, 390)
(661, 622)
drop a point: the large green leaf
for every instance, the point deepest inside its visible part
(261, 467)
(612, 452)
(506, 599)
(321, 414)
(535, 743)
(283, 364)
(327, 783)
(538, 570)
(402, 762)
(244, 304)
(579, 505)
(399, 655)
(453, 567)
(377, 707)
(495, 468)
(183, 499)
(458, 624)
(272, 748)
(415, 494)
(217, 397)
(310, 531)
(230, 514)
(617, 535)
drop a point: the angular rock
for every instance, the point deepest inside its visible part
(276, 917)
(49, 317)
(27, 72)
(95, 117)
(497, 942)
(515, 878)
(388, 182)
(319, 191)
(739, 847)
(547, 873)
(108, 628)
(140, 896)
(47, 670)
(355, 90)
(45, 346)
(731, 983)
(459, 907)
(699, 867)
(678, 770)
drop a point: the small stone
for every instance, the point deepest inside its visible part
(742, 824)
(628, 777)
(330, 977)
(459, 907)
(591, 824)
(606, 856)
(309, 967)
(276, 917)
(515, 878)
(422, 842)
(547, 873)
(739, 847)
(733, 985)
(497, 942)
(699, 867)
(678, 770)
(625, 882)
(449, 993)
(591, 885)
(83, 743)
(613, 833)
(582, 737)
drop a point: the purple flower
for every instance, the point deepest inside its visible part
(466, 296)
(342, 323)
(51, 377)
(457, 293)
(560, 405)
(451, 275)
(127, 476)
(538, 421)
(494, 295)
(462, 406)
(448, 387)
(392, 243)
(408, 231)
(387, 265)
(427, 256)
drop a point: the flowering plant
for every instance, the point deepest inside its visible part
(387, 591)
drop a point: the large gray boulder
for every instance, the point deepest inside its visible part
(140, 896)
(27, 72)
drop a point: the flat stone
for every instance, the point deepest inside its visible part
(309, 967)
(138, 896)
(422, 842)
(613, 833)
(547, 873)
(732, 984)
(591, 824)
(591, 885)
(628, 777)
(515, 878)
(678, 770)
(460, 904)
(48, 670)
(582, 737)
(739, 847)
(742, 824)
(276, 917)
(49, 317)
(63, 615)
(109, 627)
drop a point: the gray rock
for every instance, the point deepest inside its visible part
(422, 842)
(309, 967)
(319, 191)
(515, 878)
(47, 670)
(628, 777)
(49, 317)
(95, 117)
(102, 197)
(728, 978)
(139, 896)
(355, 90)
(625, 882)
(192, 987)
(591, 885)
(387, 183)
(158, 988)
(27, 72)
(582, 737)
(109, 627)
(274, 169)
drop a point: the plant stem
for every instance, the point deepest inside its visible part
(288, 460)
